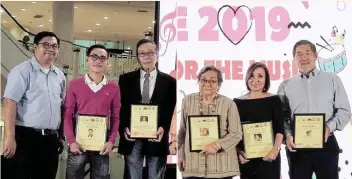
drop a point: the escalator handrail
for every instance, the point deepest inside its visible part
(15, 43)
(7, 70)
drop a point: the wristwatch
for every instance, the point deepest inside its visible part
(278, 148)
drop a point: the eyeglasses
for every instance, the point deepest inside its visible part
(96, 57)
(204, 81)
(48, 46)
(149, 54)
(305, 54)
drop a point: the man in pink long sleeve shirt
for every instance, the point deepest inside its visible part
(92, 95)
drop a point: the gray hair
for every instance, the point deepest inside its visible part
(303, 42)
(211, 68)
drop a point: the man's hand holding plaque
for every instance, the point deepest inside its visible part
(91, 133)
(309, 131)
(144, 122)
(159, 135)
(258, 139)
(204, 132)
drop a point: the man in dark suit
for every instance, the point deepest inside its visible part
(149, 86)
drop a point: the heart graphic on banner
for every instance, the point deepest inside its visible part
(234, 12)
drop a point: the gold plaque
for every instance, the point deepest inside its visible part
(91, 132)
(144, 121)
(204, 129)
(258, 139)
(309, 131)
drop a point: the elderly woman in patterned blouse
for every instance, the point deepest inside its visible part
(217, 159)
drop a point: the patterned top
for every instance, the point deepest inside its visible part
(225, 162)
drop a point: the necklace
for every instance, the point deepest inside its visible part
(211, 105)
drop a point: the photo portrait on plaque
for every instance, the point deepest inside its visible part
(258, 139)
(144, 121)
(204, 129)
(91, 132)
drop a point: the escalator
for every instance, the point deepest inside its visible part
(12, 51)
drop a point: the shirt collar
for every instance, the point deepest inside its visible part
(36, 66)
(89, 81)
(152, 73)
(314, 72)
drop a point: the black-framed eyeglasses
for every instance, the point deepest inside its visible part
(48, 46)
(204, 81)
(149, 54)
(96, 57)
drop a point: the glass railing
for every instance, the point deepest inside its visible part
(71, 55)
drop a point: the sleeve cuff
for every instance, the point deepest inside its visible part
(181, 153)
(288, 132)
(112, 141)
(225, 144)
(71, 140)
(13, 98)
(331, 125)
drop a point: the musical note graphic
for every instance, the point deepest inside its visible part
(167, 32)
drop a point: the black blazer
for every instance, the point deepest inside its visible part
(164, 96)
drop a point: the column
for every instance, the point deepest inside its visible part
(75, 62)
(62, 20)
(113, 67)
(63, 17)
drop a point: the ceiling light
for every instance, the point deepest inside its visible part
(149, 27)
(75, 7)
(23, 9)
(97, 24)
(115, 12)
(50, 20)
(89, 30)
(1, 10)
(41, 25)
(106, 17)
(14, 16)
(34, 2)
(153, 22)
(4, 21)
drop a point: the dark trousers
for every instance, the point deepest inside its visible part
(36, 156)
(324, 163)
(134, 164)
(99, 165)
(259, 169)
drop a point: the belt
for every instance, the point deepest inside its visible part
(41, 131)
(46, 131)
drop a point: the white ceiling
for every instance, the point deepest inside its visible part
(124, 22)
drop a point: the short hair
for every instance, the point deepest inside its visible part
(144, 41)
(303, 42)
(211, 68)
(250, 71)
(90, 49)
(26, 38)
(44, 34)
